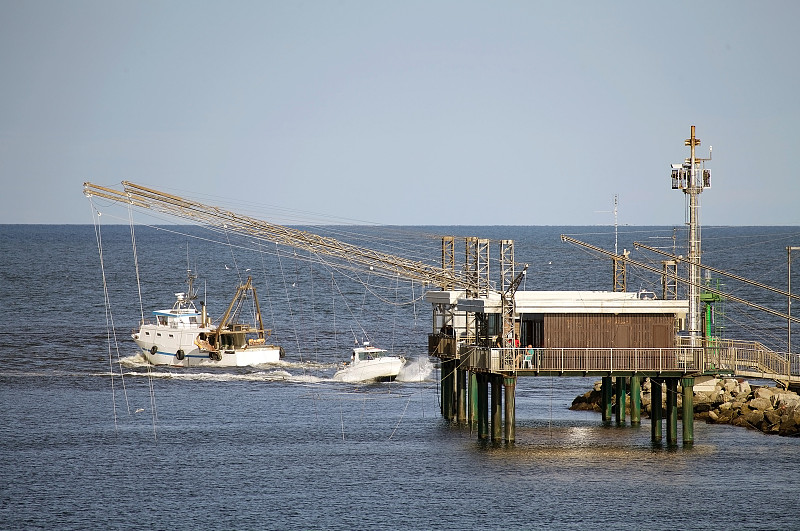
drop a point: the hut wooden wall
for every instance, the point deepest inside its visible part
(608, 330)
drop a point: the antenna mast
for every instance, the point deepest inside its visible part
(692, 178)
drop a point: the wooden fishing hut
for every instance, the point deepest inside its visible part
(621, 337)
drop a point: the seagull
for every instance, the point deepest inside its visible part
(226, 266)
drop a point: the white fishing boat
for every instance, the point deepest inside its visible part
(370, 363)
(184, 337)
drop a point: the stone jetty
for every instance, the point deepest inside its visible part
(724, 401)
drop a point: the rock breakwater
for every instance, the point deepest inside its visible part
(728, 401)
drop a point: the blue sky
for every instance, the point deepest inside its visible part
(414, 113)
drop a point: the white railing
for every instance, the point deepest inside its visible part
(727, 357)
(553, 359)
(746, 358)
(750, 357)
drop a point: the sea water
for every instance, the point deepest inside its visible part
(285, 447)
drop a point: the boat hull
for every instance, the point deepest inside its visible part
(382, 369)
(166, 351)
(228, 358)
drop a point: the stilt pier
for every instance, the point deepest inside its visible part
(487, 401)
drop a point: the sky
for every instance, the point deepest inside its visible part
(404, 112)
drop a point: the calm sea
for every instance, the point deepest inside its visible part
(285, 447)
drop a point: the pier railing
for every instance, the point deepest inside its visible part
(586, 360)
(709, 356)
(751, 359)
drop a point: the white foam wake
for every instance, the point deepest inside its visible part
(415, 370)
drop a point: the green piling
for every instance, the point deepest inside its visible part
(461, 395)
(473, 398)
(621, 392)
(444, 403)
(672, 410)
(636, 400)
(656, 410)
(497, 412)
(688, 410)
(510, 384)
(482, 409)
(606, 390)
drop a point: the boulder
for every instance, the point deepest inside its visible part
(744, 388)
(762, 403)
(702, 398)
(754, 418)
(789, 427)
(725, 417)
(772, 417)
(786, 399)
(764, 392)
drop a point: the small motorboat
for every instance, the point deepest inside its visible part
(370, 363)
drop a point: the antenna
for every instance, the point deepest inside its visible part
(615, 224)
(692, 178)
(616, 201)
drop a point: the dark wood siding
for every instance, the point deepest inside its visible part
(608, 330)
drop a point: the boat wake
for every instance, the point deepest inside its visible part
(138, 361)
(277, 375)
(303, 372)
(418, 370)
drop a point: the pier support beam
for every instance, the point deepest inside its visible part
(621, 393)
(656, 411)
(605, 397)
(461, 396)
(448, 389)
(497, 412)
(482, 409)
(672, 410)
(510, 384)
(688, 410)
(636, 400)
(444, 404)
(473, 398)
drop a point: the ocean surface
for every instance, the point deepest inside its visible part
(91, 437)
